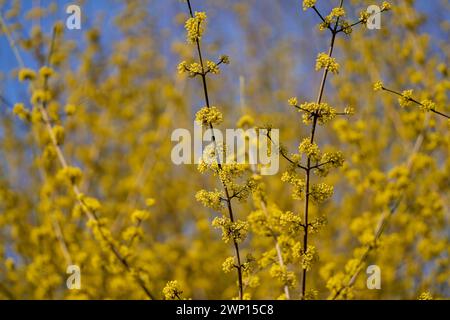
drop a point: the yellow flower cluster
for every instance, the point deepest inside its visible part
(405, 99)
(228, 265)
(193, 69)
(20, 111)
(298, 184)
(72, 175)
(70, 109)
(293, 101)
(311, 150)
(207, 116)
(334, 17)
(210, 199)
(40, 96)
(378, 86)
(338, 12)
(92, 204)
(346, 27)
(195, 27)
(46, 72)
(290, 222)
(172, 290)
(427, 105)
(131, 233)
(324, 61)
(139, 215)
(308, 4)
(322, 111)
(425, 296)
(231, 231)
(335, 159)
(102, 233)
(364, 16)
(283, 275)
(58, 134)
(329, 160)
(317, 224)
(212, 67)
(26, 74)
(321, 192)
(308, 258)
(224, 59)
(385, 6)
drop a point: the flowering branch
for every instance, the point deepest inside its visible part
(406, 97)
(308, 166)
(41, 100)
(194, 27)
(381, 226)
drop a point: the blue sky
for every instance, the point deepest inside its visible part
(285, 21)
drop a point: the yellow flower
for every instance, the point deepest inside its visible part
(70, 109)
(323, 111)
(46, 72)
(208, 116)
(405, 99)
(172, 290)
(195, 27)
(20, 111)
(228, 265)
(364, 16)
(71, 174)
(338, 12)
(150, 202)
(427, 105)
(293, 101)
(40, 96)
(281, 274)
(346, 27)
(58, 133)
(311, 150)
(182, 67)
(308, 4)
(297, 183)
(225, 59)
(231, 231)
(139, 215)
(212, 67)
(425, 296)
(91, 204)
(385, 6)
(326, 23)
(377, 86)
(26, 74)
(309, 257)
(327, 62)
(321, 192)
(193, 69)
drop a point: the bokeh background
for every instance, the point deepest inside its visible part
(119, 72)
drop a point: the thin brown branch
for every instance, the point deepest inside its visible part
(416, 102)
